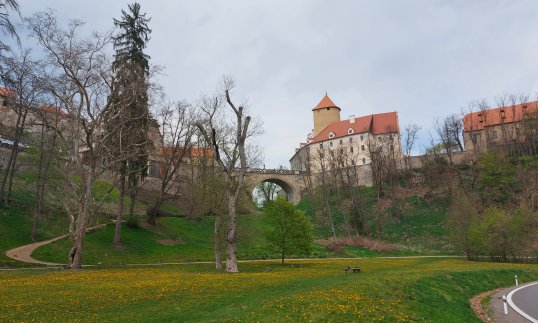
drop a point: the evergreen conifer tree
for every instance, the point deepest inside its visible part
(127, 120)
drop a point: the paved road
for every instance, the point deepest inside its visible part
(525, 301)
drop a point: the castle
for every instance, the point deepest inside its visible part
(349, 143)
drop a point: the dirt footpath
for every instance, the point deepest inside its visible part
(24, 253)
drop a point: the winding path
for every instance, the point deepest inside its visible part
(24, 253)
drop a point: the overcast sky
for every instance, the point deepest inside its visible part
(425, 59)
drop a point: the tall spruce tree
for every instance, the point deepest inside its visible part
(128, 117)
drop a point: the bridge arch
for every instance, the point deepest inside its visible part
(289, 181)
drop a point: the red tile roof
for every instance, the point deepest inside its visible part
(326, 102)
(478, 120)
(53, 109)
(193, 152)
(6, 92)
(377, 124)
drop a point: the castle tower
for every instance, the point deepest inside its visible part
(325, 113)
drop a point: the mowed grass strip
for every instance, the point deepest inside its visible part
(391, 290)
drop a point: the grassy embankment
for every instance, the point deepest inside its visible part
(432, 290)
(178, 239)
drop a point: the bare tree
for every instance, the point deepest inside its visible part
(27, 93)
(80, 77)
(228, 140)
(379, 163)
(322, 195)
(176, 120)
(49, 120)
(207, 193)
(445, 135)
(410, 137)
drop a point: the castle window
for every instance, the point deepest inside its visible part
(391, 147)
(350, 131)
(494, 134)
(474, 138)
(362, 137)
(364, 161)
(362, 148)
(321, 145)
(350, 139)
(328, 108)
(350, 149)
(331, 135)
(390, 137)
(320, 154)
(332, 153)
(341, 142)
(330, 143)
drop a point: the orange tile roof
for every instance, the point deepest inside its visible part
(193, 152)
(478, 120)
(326, 102)
(53, 109)
(377, 124)
(6, 92)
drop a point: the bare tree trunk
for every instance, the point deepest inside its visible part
(75, 255)
(5, 189)
(154, 211)
(7, 197)
(231, 238)
(217, 243)
(39, 199)
(133, 194)
(119, 215)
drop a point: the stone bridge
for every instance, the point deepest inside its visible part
(290, 181)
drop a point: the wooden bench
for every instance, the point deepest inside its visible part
(354, 269)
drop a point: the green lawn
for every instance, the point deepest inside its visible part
(392, 290)
(172, 240)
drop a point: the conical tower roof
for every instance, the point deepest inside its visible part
(326, 102)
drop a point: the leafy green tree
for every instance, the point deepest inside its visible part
(503, 234)
(266, 192)
(460, 216)
(289, 230)
(127, 120)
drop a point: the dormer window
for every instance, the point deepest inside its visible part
(331, 135)
(350, 131)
